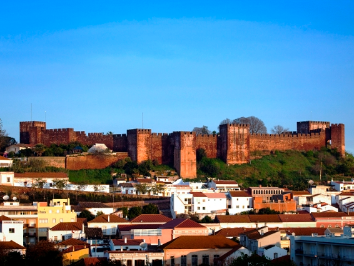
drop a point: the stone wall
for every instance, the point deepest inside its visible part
(77, 162)
(51, 161)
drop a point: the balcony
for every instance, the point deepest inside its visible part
(29, 234)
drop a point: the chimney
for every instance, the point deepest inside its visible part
(125, 240)
(159, 242)
(121, 248)
(108, 218)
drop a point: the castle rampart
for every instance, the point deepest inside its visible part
(235, 144)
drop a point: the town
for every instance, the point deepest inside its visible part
(160, 217)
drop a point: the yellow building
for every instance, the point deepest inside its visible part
(59, 210)
(75, 253)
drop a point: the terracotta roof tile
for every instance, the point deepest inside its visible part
(4, 158)
(93, 261)
(129, 242)
(41, 175)
(227, 254)
(233, 232)
(233, 218)
(151, 218)
(304, 231)
(225, 182)
(198, 194)
(93, 233)
(239, 194)
(300, 193)
(4, 218)
(181, 223)
(296, 218)
(264, 218)
(112, 219)
(200, 242)
(67, 226)
(216, 195)
(256, 235)
(76, 248)
(10, 245)
(143, 180)
(328, 214)
(138, 226)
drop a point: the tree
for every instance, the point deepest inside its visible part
(278, 129)
(226, 121)
(60, 184)
(39, 149)
(134, 212)
(256, 124)
(201, 153)
(43, 253)
(38, 183)
(86, 214)
(206, 219)
(150, 209)
(201, 130)
(99, 213)
(142, 189)
(158, 188)
(3, 136)
(80, 187)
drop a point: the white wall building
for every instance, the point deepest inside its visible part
(5, 162)
(223, 185)
(342, 185)
(11, 230)
(239, 201)
(272, 252)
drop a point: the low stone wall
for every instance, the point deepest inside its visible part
(90, 161)
(51, 161)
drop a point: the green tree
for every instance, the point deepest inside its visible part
(150, 209)
(39, 149)
(206, 219)
(158, 188)
(86, 214)
(42, 254)
(38, 183)
(60, 184)
(125, 211)
(134, 212)
(99, 213)
(142, 189)
(201, 154)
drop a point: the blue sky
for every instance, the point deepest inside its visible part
(96, 67)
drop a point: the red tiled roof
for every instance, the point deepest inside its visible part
(328, 214)
(4, 218)
(233, 218)
(198, 194)
(10, 245)
(200, 242)
(67, 226)
(264, 218)
(239, 194)
(130, 242)
(225, 182)
(232, 232)
(227, 254)
(72, 242)
(304, 231)
(181, 223)
(4, 158)
(41, 175)
(256, 235)
(137, 226)
(143, 180)
(151, 218)
(112, 219)
(216, 195)
(300, 193)
(296, 218)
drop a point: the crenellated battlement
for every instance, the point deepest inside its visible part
(95, 134)
(119, 135)
(158, 134)
(59, 130)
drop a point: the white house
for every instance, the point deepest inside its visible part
(223, 185)
(272, 252)
(11, 230)
(65, 230)
(108, 223)
(7, 178)
(127, 188)
(234, 253)
(5, 162)
(342, 185)
(239, 201)
(93, 207)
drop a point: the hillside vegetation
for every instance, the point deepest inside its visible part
(292, 169)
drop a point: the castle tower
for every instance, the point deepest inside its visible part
(337, 138)
(185, 157)
(31, 132)
(139, 144)
(305, 127)
(235, 143)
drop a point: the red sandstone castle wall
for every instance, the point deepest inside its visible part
(139, 144)
(120, 142)
(185, 160)
(306, 127)
(282, 142)
(57, 136)
(337, 138)
(92, 161)
(159, 148)
(209, 143)
(25, 129)
(235, 143)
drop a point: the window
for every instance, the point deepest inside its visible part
(8, 179)
(203, 208)
(194, 260)
(183, 260)
(275, 255)
(11, 230)
(61, 220)
(206, 259)
(43, 221)
(237, 206)
(58, 211)
(172, 261)
(215, 258)
(50, 211)
(54, 220)
(198, 208)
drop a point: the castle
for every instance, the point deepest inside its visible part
(235, 144)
